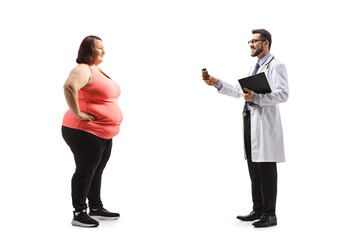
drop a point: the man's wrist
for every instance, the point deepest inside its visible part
(256, 99)
(219, 85)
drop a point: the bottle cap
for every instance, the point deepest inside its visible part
(204, 69)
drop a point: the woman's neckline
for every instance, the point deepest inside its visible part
(104, 76)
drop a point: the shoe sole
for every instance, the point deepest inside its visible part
(270, 225)
(103, 218)
(80, 224)
(248, 220)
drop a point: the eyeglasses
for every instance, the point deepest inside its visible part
(255, 41)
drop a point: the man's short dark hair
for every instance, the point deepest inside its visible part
(265, 35)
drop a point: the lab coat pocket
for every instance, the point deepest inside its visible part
(268, 116)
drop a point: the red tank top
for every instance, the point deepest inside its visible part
(100, 100)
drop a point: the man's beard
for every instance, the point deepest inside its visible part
(260, 50)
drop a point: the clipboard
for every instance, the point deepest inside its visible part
(257, 83)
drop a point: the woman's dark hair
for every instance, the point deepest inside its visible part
(85, 54)
(265, 35)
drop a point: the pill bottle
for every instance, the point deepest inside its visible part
(205, 74)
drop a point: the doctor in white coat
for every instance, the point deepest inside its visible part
(263, 136)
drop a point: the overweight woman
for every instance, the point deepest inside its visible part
(93, 119)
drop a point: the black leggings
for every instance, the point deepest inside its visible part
(91, 154)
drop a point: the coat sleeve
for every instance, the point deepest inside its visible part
(280, 89)
(231, 90)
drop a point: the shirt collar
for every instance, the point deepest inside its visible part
(263, 60)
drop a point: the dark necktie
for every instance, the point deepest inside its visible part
(257, 66)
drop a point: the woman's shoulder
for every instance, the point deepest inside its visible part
(81, 69)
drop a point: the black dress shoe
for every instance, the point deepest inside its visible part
(251, 217)
(266, 221)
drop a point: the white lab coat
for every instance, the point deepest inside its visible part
(267, 143)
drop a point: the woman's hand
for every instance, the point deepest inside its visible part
(86, 116)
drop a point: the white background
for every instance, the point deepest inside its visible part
(177, 169)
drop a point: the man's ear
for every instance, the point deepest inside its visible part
(267, 42)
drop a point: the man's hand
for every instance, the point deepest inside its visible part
(249, 96)
(213, 81)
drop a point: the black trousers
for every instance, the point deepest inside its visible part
(91, 153)
(263, 176)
